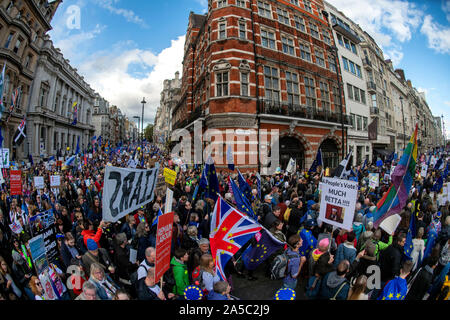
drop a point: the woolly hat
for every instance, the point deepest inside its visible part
(91, 245)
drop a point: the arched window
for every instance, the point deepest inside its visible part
(330, 154)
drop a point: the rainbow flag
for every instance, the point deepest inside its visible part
(402, 179)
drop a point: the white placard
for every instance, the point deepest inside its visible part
(423, 172)
(374, 180)
(133, 256)
(391, 223)
(126, 190)
(338, 201)
(169, 201)
(39, 182)
(4, 158)
(55, 181)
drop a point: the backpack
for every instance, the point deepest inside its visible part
(279, 266)
(197, 277)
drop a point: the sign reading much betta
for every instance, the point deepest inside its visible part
(338, 200)
(126, 190)
(163, 244)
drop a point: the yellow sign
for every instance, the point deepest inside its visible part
(170, 176)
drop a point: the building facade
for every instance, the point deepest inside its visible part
(101, 118)
(170, 96)
(58, 96)
(253, 66)
(354, 84)
(23, 25)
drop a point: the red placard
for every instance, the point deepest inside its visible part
(163, 244)
(15, 182)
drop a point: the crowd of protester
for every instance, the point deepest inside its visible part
(337, 267)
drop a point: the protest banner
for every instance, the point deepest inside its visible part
(39, 182)
(169, 201)
(55, 181)
(338, 201)
(41, 221)
(38, 253)
(16, 182)
(16, 228)
(374, 180)
(46, 283)
(423, 171)
(170, 176)
(4, 158)
(126, 190)
(163, 244)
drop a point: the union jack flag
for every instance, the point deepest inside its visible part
(230, 230)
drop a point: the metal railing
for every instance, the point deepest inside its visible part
(285, 108)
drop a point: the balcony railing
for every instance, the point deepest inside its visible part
(345, 30)
(285, 108)
(367, 62)
(371, 86)
(374, 110)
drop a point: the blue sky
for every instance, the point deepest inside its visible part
(126, 48)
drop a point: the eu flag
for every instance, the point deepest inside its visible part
(244, 187)
(437, 187)
(318, 162)
(432, 236)
(309, 242)
(408, 248)
(446, 171)
(212, 189)
(395, 289)
(242, 202)
(256, 254)
(258, 184)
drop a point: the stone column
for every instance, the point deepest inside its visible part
(37, 140)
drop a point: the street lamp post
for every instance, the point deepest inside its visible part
(403, 120)
(139, 121)
(142, 119)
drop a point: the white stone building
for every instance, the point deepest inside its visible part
(354, 83)
(55, 89)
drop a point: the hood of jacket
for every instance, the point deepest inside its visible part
(177, 263)
(334, 280)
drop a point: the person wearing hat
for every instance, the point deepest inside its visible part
(97, 255)
(140, 217)
(323, 247)
(22, 273)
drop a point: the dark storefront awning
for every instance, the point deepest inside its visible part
(383, 152)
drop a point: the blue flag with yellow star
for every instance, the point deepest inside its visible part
(244, 186)
(309, 242)
(212, 188)
(259, 252)
(408, 248)
(242, 203)
(395, 289)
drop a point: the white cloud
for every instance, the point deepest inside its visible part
(399, 18)
(438, 36)
(106, 72)
(129, 15)
(71, 43)
(446, 9)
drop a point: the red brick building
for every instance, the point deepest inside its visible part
(263, 65)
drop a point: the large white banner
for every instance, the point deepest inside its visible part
(126, 190)
(338, 201)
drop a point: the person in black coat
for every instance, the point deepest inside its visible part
(70, 254)
(422, 281)
(122, 258)
(390, 259)
(147, 289)
(297, 212)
